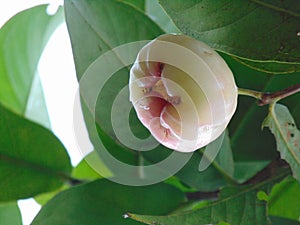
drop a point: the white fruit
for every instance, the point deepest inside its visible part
(182, 91)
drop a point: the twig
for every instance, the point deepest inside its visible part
(266, 98)
(202, 195)
(71, 180)
(269, 171)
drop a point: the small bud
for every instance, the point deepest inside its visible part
(182, 91)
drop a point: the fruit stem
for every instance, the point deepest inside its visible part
(251, 93)
(266, 98)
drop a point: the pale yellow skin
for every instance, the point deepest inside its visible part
(182, 91)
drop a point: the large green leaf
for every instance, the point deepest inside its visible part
(287, 136)
(236, 206)
(104, 202)
(22, 41)
(87, 17)
(252, 29)
(284, 199)
(32, 160)
(90, 18)
(10, 214)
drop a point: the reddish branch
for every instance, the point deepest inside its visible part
(267, 98)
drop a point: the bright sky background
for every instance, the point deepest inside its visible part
(57, 73)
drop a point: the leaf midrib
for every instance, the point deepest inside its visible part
(276, 8)
(31, 165)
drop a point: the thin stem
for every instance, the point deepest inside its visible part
(266, 98)
(274, 168)
(199, 195)
(251, 93)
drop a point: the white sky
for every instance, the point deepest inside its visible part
(58, 79)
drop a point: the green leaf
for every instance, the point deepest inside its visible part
(91, 22)
(283, 200)
(237, 205)
(287, 136)
(32, 160)
(22, 41)
(90, 18)
(104, 202)
(252, 29)
(10, 214)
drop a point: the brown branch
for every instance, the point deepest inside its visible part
(266, 98)
(199, 195)
(269, 171)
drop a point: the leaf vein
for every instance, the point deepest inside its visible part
(276, 8)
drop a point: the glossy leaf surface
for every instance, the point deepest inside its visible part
(104, 202)
(29, 155)
(226, 26)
